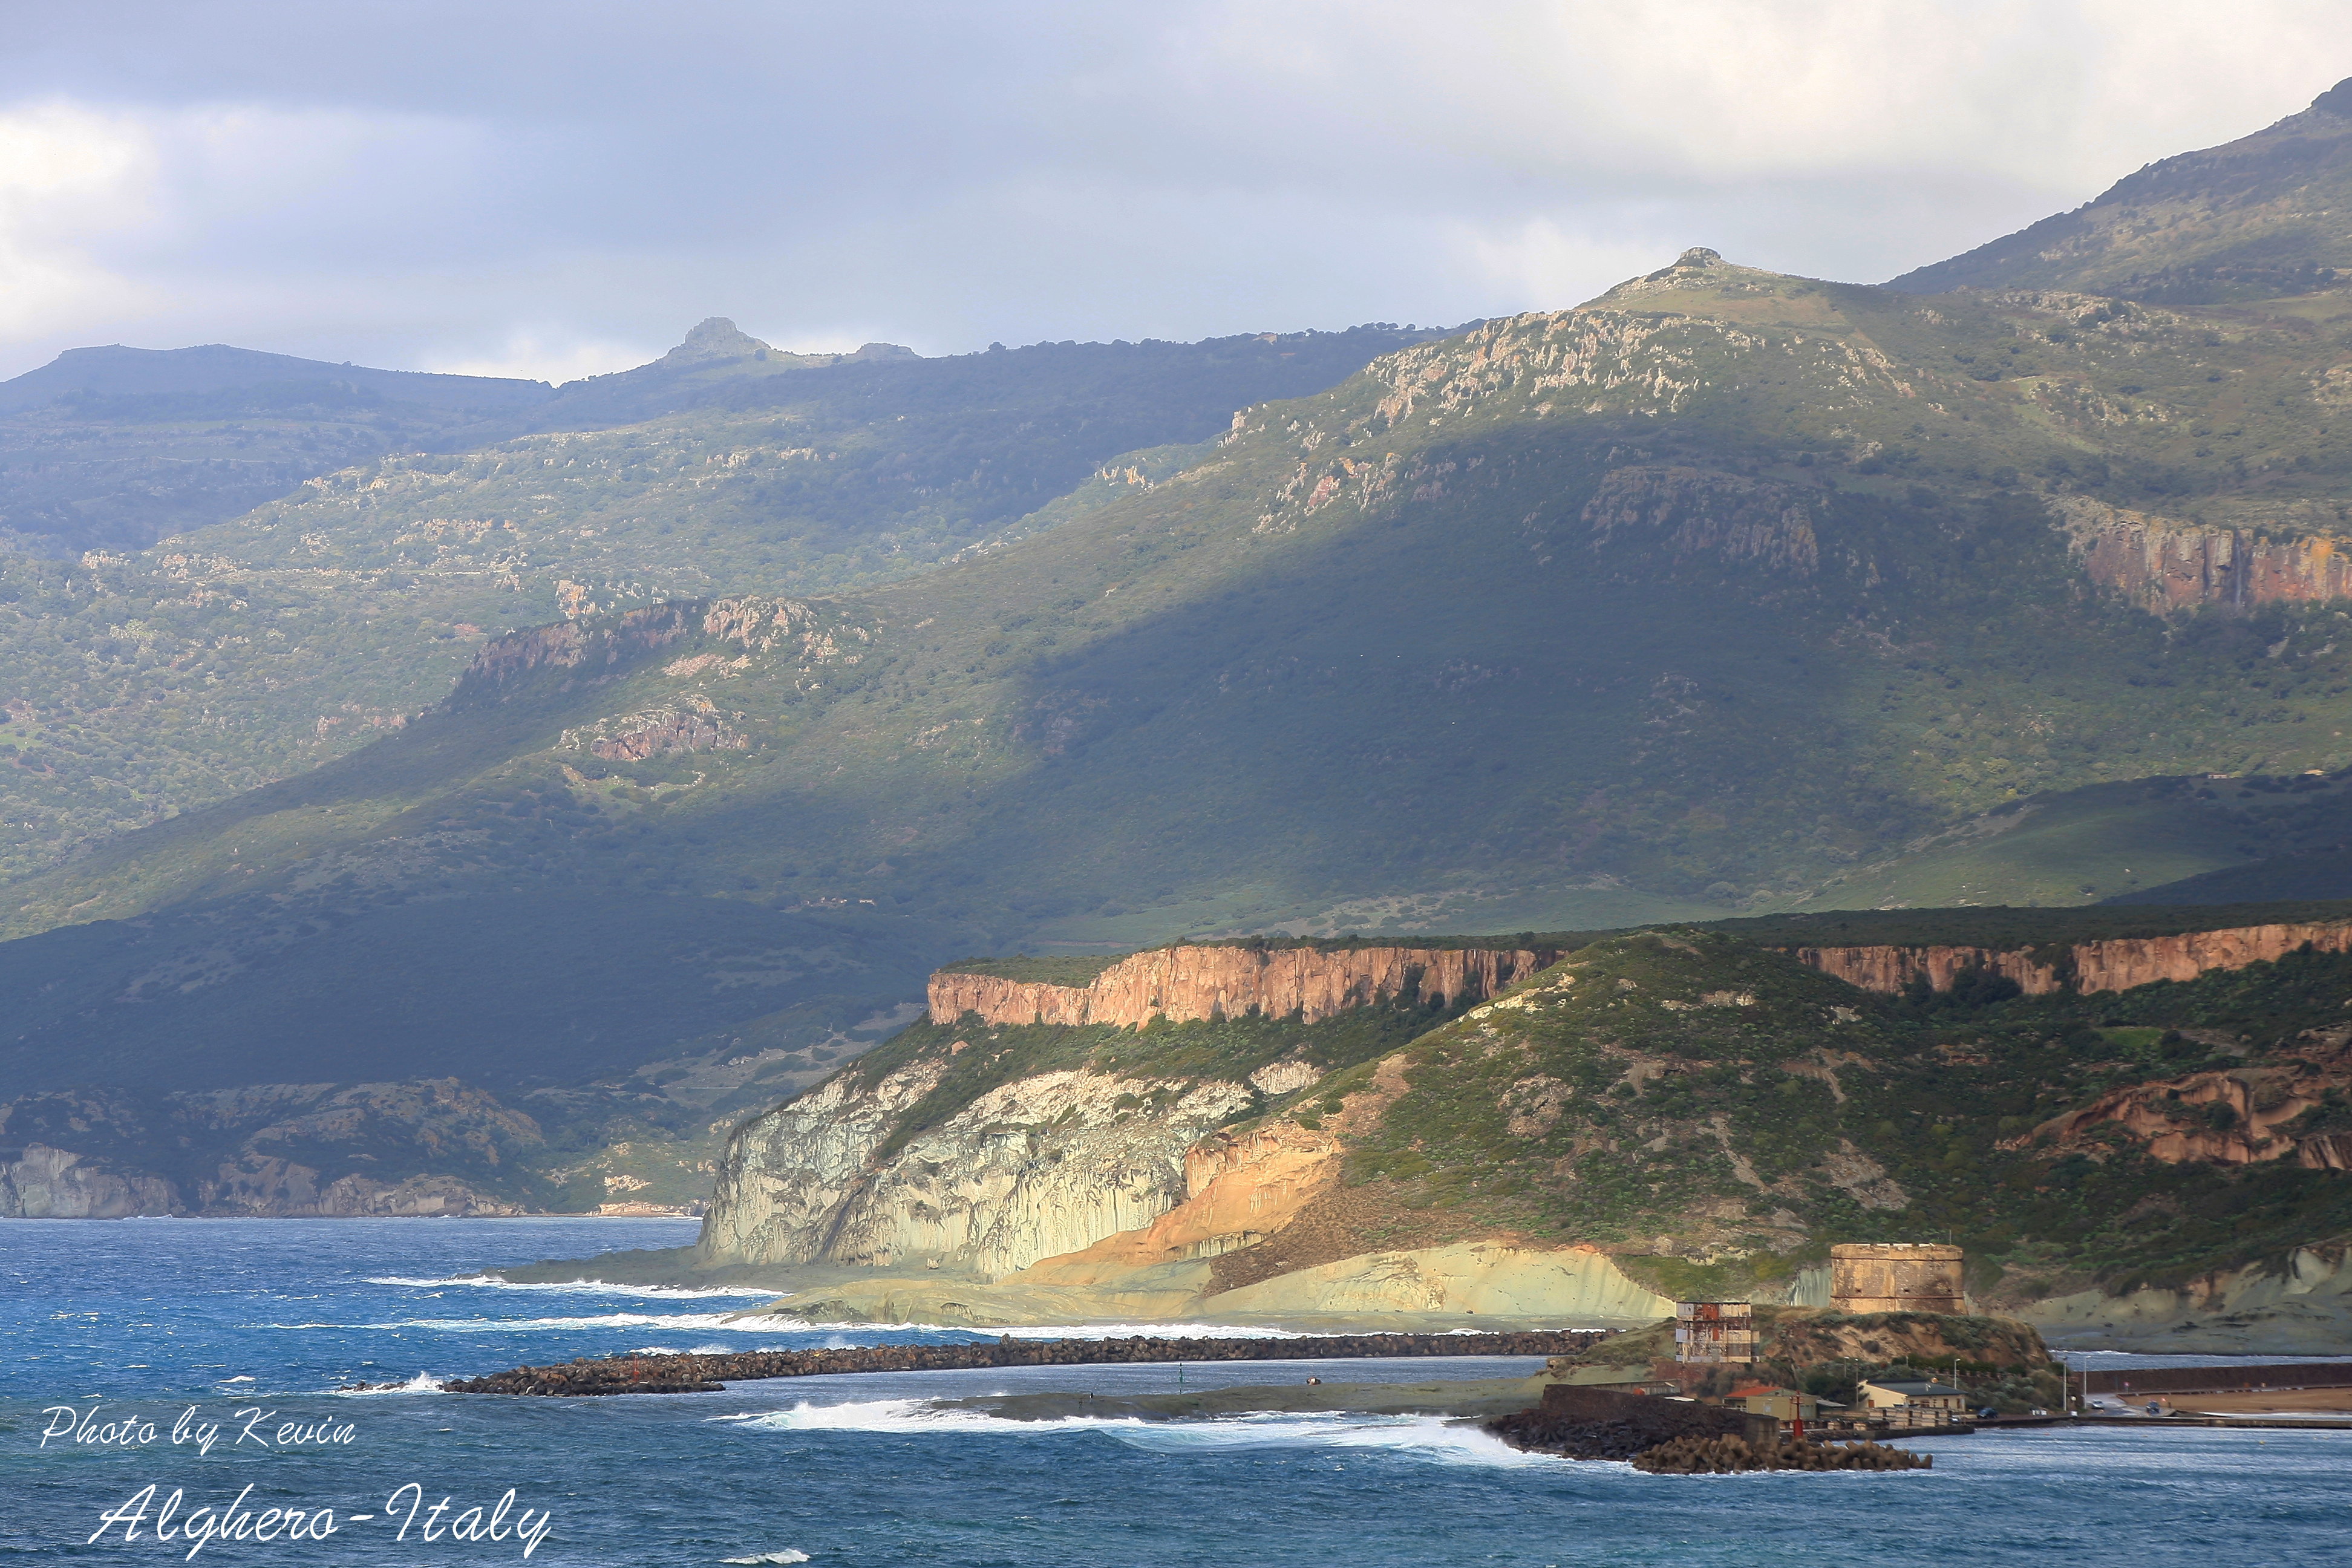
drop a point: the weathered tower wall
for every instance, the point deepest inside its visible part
(1896, 1276)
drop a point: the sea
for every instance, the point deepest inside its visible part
(203, 1364)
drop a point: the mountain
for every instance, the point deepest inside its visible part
(111, 448)
(1727, 592)
(88, 376)
(1583, 1128)
(141, 684)
(2264, 217)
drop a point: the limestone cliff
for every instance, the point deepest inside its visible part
(2112, 964)
(1654, 1115)
(1239, 1190)
(1045, 1164)
(2300, 1304)
(1192, 983)
(2165, 565)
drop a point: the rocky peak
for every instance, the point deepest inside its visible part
(716, 338)
(2336, 100)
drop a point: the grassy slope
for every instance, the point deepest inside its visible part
(143, 684)
(1445, 681)
(1697, 1136)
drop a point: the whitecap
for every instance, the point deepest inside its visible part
(908, 1415)
(581, 1287)
(789, 1555)
(683, 1320)
(1429, 1438)
(423, 1383)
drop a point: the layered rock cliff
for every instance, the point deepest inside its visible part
(2165, 565)
(1197, 983)
(1045, 1164)
(2112, 964)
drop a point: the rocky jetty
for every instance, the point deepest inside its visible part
(1725, 1456)
(1671, 1436)
(709, 1374)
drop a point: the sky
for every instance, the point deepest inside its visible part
(521, 187)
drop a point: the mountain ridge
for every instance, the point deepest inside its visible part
(2248, 220)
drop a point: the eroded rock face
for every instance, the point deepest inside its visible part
(1239, 1189)
(2301, 1305)
(2114, 964)
(1701, 513)
(276, 1151)
(1047, 1164)
(42, 1183)
(2165, 565)
(1192, 983)
(2235, 1116)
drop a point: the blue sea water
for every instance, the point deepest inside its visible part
(142, 1320)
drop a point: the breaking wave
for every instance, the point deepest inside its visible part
(423, 1383)
(699, 1322)
(1427, 1438)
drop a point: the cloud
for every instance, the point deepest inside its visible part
(551, 186)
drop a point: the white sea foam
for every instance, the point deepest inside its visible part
(1425, 1438)
(580, 1288)
(423, 1383)
(704, 1321)
(789, 1555)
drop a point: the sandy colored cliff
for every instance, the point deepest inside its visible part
(2165, 565)
(2114, 964)
(1193, 983)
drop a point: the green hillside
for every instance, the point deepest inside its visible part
(2260, 218)
(1726, 595)
(136, 684)
(1727, 590)
(1714, 1115)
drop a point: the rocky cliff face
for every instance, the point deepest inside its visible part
(270, 1149)
(2236, 1116)
(602, 645)
(2114, 964)
(1046, 1164)
(1239, 1189)
(2165, 565)
(1196, 983)
(2300, 1304)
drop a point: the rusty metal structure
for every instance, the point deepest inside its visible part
(1712, 1333)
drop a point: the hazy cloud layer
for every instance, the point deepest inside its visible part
(557, 187)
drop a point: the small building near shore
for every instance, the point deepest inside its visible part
(1912, 1393)
(1784, 1405)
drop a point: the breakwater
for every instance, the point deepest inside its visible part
(2255, 1377)
(710, 1373)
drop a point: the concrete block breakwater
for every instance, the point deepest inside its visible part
(710, 1374)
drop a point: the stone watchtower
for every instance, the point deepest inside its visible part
(1896, 1276)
